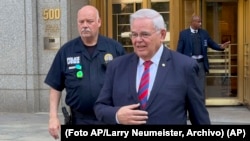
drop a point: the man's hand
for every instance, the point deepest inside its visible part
(54, 127)
(225, 45)
(130, 115)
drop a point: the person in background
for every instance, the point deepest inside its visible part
(153, 84)
(194, 42)
(79, 67)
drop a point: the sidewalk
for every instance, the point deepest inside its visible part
(34, 127)
(24, 127)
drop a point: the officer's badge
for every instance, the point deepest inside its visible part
(108, 57)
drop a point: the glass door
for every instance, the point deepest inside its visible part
(121, 10)
(220, 22)
(162, 6)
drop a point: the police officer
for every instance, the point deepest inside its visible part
(79, 67)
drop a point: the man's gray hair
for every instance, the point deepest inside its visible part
(156, 17)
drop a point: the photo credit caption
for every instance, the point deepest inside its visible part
(220, 132)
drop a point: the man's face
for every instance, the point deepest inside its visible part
(196, 23)
(145, 38)
(88, 23)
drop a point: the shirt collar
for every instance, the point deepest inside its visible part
(192, 30)
(156, 58)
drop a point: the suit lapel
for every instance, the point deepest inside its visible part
(189, 37)
(202, 39)
(132, 68)
(161, 75)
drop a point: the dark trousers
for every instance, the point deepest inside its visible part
(79, 118)
(202, 77)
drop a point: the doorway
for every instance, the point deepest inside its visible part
(219, 20)
(121, 10)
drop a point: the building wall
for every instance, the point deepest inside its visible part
(23, 57)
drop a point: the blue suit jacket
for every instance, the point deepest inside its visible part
(185, 44)
(176, 89)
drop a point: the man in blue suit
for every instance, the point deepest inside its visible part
(173, 87)
(194, 42)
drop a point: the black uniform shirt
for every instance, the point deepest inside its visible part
(81, 75)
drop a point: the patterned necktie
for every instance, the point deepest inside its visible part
(143, 87)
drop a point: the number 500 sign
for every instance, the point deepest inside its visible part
(51, 14)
